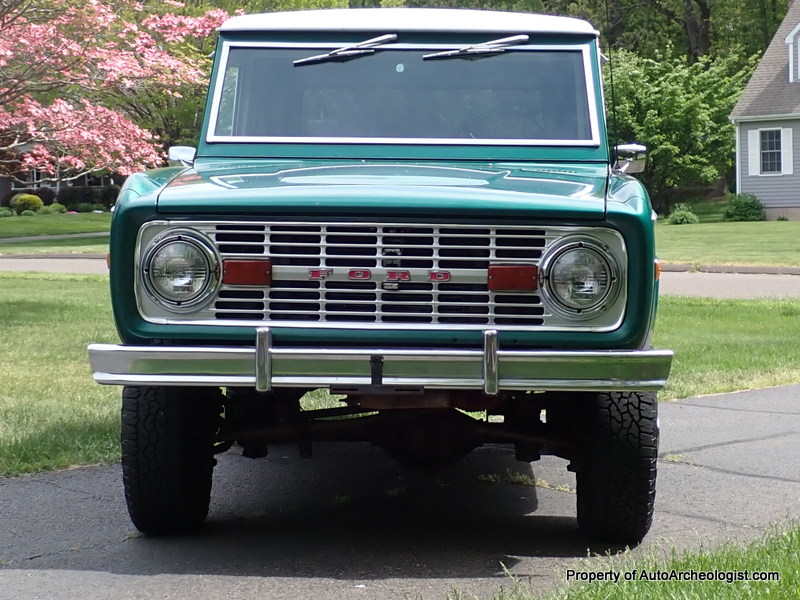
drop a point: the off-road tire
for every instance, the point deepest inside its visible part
(168, 456)
(616, 474)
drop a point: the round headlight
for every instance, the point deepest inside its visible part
(580, 277)
(180, 270)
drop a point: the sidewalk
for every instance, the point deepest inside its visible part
(59, 236)
(742, 269)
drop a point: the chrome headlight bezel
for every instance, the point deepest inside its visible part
(555, 301)
(206, 251)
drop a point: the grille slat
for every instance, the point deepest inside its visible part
(379, 273)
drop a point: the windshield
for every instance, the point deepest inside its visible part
(399, 95)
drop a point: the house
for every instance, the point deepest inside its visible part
(767, 120)
(36, 181)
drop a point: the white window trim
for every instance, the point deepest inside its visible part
(33, 180)
(754, 152)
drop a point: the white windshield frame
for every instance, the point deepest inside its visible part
(591, 97)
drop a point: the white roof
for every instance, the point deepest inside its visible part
(392, 20)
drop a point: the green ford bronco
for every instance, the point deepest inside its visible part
(416, 210)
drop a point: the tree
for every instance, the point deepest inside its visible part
(67, 71)
(680, 112)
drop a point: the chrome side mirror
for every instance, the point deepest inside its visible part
(630, 158)
(182, 154)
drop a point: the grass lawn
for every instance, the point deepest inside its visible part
(52, 415)
(55, 224)
(708, 210)
(755, 243)
(726, 345)
(777, 553)
(77, 245)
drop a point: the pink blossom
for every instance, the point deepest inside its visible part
(81, 55)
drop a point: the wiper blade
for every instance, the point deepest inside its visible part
(490, 47)
(348, 52)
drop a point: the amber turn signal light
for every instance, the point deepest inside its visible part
(247, 272)
(513, 278)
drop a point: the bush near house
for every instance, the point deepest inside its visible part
(54, 208)
(73, 197)
(47, 195)
(743, 207)
(26, 202)
(682, 215)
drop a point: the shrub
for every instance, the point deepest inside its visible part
(26, 202)
(743, 207)
(682, 217)
(54, 208)
(108, 195)
(84, 207)
(4, 212)
(72, 196)
(99, 206)
(27, 213)
(47, 194)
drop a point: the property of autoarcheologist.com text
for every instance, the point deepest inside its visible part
(670, 575)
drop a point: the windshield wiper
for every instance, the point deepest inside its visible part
(484, 48)
(348, 52)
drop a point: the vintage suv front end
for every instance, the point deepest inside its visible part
(416, 209)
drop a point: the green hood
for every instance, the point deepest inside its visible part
(383, 188)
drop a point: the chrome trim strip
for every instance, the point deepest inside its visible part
(490, 371)
(430, 368)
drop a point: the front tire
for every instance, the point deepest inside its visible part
(168, 456)
(616, 475)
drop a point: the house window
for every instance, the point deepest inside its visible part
(33, 179)
(770, 151)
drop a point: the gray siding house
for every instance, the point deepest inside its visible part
(767, 119)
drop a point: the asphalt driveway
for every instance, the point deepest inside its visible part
(350, 523)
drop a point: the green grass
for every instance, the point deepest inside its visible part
(52, 414)
(77, 245)
(757, 243)
(708, 210)
(56, 224)
(778, 552)
(727, 345)
(777, 555)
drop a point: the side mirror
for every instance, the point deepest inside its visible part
(630, 158)
(182, 154)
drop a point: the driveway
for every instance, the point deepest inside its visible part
(350, 523)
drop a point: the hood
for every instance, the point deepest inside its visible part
(342, 189)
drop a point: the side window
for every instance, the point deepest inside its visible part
(227, 102)
(770, 150)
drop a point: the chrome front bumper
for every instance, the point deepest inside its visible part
(490, 369)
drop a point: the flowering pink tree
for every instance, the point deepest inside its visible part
(73, 76)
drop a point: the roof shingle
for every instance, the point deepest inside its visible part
(769, 92)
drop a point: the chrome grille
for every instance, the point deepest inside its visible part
(320, 273)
